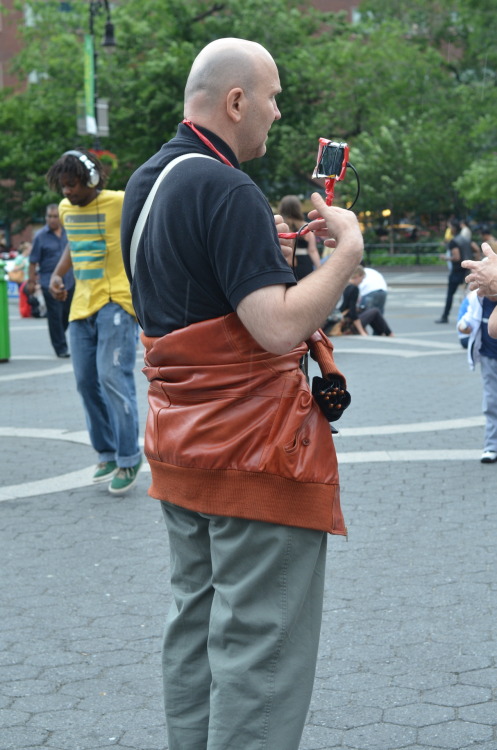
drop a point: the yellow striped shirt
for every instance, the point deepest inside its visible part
(94, 234)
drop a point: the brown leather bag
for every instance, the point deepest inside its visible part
(234, 430)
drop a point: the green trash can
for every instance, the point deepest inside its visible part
(4, 317)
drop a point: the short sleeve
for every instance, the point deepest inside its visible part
(245, 250)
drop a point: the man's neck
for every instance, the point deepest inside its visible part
(94, 194)
(220, 132)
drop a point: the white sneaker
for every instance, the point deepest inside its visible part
(488, 457)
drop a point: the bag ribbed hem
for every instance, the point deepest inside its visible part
(251, 495)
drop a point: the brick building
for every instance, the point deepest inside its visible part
(10, 45)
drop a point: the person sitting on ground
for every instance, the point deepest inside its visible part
(354, 318)
(373, 290)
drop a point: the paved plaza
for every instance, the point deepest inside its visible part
(408, 653)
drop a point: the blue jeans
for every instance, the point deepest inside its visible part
(103, 349)
(241, 639)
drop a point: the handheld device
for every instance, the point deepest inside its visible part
(331, 164)
(332, 161)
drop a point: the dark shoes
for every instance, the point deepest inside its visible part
(63, 355)
(442, 320)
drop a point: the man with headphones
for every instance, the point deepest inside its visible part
(102, 326)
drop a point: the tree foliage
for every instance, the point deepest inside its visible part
(411, 87)
(458, 120)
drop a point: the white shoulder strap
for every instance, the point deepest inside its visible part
(137, 232)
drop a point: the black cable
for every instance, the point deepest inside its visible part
(305, 225)
(358, 185)
(294, 253)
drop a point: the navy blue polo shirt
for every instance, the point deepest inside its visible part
(46, 252)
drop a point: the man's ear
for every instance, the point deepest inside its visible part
(234, 104)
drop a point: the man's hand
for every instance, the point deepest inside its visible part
(285, 245)
(333, 224)
(281, 316)
(483, 276)
(57, 288)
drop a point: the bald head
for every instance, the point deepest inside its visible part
(231, 91)
(221, 66)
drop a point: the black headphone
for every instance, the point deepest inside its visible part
(91, 168)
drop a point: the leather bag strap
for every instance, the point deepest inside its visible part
(140, 224)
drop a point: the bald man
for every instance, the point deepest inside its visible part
(241, 457)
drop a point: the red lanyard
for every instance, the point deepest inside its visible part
(204, 139)
(207, 142)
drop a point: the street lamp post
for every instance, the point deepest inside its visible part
(108, 43)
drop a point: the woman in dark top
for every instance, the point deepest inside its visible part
(306, 256)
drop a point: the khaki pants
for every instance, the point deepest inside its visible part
(241, 639)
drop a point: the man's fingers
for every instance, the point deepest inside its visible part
(487, 250)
